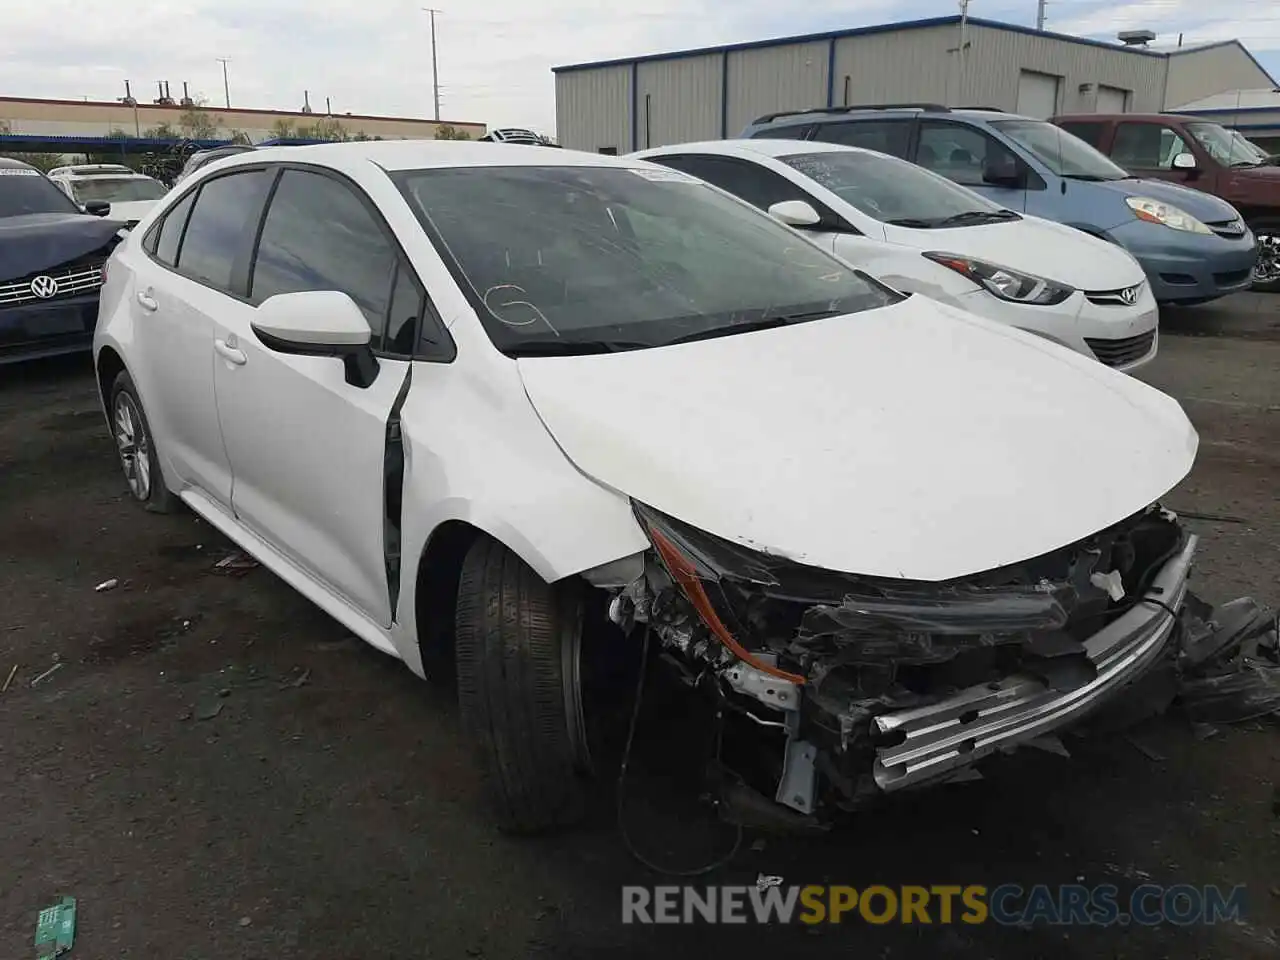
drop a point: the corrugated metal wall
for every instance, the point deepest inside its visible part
(766, 79)
(895, 67)
(1202, 73)
(996, 57)
(683, 100)
(593, 108)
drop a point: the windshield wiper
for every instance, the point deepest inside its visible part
(913, 222)
(1246, 163)
(979, 216)
(764, 323)
(573, 348)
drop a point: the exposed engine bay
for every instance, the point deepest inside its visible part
(865, 686)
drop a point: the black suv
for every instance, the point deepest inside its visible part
(51, 260)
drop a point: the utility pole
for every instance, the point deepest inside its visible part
(1041, 8)
(226, 88)
(435, 73)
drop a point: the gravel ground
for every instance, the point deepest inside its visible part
(217, 770)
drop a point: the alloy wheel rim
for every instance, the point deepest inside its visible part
(1268, 266)
(133, 447)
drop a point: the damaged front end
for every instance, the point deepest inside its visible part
(871, 686)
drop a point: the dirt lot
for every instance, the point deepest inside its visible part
(217, 770)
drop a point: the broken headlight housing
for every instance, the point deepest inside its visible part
(1003, 282)
(696, 563)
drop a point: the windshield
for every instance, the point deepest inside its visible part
(1228, 147)
(117, 189)
(568, 259)
(25, 191)
(1063, 153)
(895, 191)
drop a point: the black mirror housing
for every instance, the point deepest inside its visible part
(98, 208)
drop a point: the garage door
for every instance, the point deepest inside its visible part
(1112, 99)
(1037, 94)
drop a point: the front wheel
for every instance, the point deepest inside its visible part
(517, 647)
(1266, 275)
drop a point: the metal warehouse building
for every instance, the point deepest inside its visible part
(623, 105)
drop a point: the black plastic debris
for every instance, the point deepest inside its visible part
(1230, 661)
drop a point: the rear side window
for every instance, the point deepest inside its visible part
(170, 230)
(885, 136)
(319, 235)
(221, 226)
(1089, 132)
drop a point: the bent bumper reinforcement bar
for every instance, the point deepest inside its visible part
(975, 722)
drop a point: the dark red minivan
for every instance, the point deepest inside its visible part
(1199, 154)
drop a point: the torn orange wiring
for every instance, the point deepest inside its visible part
(685, 575)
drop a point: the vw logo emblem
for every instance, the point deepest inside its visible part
(44, 287)
(1129, 295)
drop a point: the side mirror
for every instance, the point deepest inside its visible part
(795, 213)
(1184, 161)
(1001, 170)
(319, 323)
(99, 208)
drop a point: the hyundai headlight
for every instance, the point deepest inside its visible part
(1157, 211)
(1005, 283)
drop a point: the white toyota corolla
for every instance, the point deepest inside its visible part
(488, 400)
(918, 231)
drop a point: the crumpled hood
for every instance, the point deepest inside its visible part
(1203, 206)
(915, 441)
(39, 241)
(1036, 246)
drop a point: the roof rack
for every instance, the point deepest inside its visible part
(928, 107)
(987, 109)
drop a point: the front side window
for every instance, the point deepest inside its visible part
(1147, 146)
(220, 229)
(1229, 147)
(884, 136)
(580, 259)
(894, 191)
(117, 189)
(24, 191)
(1065, 155)
(319, 235)
(959, 153)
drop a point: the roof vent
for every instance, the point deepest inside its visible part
(1135, 38)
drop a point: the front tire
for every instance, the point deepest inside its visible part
(136, 448)
(517, 648)
(1267, 272)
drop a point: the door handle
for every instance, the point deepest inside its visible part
(147, 302)
(229, 353)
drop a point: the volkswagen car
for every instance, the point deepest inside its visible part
(51, 262)
(504, 412)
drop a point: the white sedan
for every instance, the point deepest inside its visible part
(131, 194)
(920, 232)
(529, 407)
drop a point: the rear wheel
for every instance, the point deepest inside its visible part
(136, 448)
(518, 650)
(1266, 275)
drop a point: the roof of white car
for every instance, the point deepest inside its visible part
(766, 147)
(419, 154)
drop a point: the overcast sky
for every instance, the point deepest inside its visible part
(495, 56)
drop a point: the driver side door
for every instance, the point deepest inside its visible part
(308, 449)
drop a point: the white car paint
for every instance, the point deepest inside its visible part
(1030, 245)
(912, 441)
